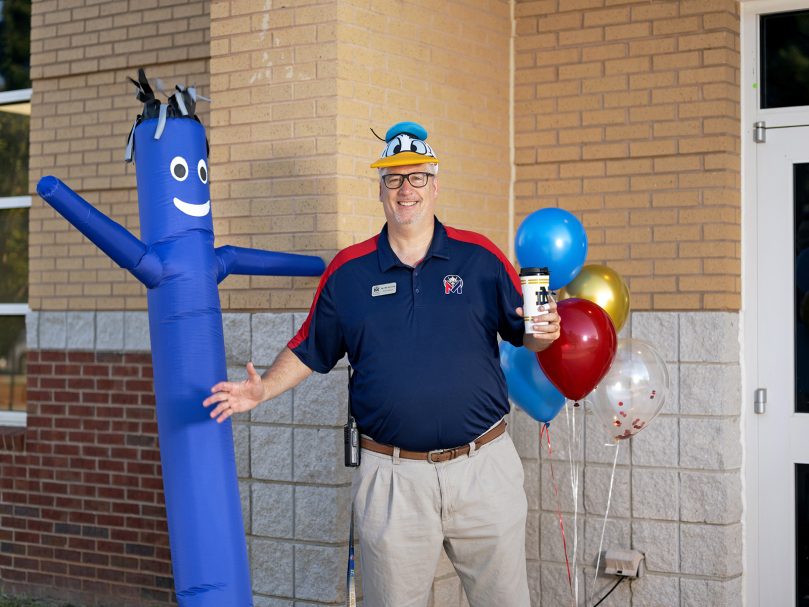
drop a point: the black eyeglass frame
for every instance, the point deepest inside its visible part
(406, 176)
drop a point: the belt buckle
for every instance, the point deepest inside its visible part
(437, 452)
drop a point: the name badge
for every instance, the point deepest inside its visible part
(386, 289)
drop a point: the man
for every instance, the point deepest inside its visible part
(418, 308)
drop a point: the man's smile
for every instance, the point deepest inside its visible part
(195, 210)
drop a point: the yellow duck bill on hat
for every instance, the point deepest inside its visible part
(404, 148)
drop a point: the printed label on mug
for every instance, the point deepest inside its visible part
(536, 295)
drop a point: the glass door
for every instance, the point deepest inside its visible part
(783, 366)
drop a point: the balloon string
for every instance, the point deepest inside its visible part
(606, 514)
(546, 429)
(573, 447)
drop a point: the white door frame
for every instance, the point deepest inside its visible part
(750, 113)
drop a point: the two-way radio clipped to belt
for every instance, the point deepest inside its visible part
(351, 434)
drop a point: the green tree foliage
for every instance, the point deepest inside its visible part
(13, 255)
(15, 45)
(13, 154)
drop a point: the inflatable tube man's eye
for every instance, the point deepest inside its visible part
(202, 170)
(179, 168)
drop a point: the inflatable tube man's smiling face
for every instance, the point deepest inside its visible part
(172, 175)
(171, 163)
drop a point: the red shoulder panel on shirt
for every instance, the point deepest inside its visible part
(353, 252)
(481, 240)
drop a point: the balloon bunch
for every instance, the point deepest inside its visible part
(627, 379)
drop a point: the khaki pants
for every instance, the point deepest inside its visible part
(474, 507)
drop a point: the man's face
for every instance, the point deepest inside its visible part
(409, 205)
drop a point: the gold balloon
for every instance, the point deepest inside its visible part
(604, 287)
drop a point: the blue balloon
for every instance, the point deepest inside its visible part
(528, 387)
(555, 239)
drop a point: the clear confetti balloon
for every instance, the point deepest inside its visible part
(633, 391)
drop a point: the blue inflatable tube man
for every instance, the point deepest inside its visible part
(176, 260)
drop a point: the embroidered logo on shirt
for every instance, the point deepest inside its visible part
(388, 288)
(453, 284)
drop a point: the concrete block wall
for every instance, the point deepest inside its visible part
(627, 114)
(295, 489)
(677, 492)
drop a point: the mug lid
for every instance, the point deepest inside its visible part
(534, 271)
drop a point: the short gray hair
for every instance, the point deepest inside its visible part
(384, 170)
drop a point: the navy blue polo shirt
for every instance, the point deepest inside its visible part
(422, 341)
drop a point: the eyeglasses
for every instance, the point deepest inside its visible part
(395, 180)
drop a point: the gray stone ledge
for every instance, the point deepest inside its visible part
(53, 330)
(81, 330)
(32, 330)
(110, 331)
(247, 336)
(136, 332)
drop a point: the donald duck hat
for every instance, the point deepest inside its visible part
(405, 145)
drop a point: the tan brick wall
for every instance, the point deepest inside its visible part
(445, 65)
(82, 109)
(273, 156)
(627, 114)
(297, 89)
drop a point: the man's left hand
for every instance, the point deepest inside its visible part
(546, 329)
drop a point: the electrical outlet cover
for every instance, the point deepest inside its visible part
(625, 563)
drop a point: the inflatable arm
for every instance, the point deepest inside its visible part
(240, 260)
(125, 249)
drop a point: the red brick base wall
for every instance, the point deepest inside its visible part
(82, 514)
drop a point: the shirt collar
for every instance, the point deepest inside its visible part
(439, 247)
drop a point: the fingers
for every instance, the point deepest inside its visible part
(221, 391)
(547, 327)
(252, 374)
(222, 412)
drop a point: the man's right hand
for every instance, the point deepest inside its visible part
(236, 397)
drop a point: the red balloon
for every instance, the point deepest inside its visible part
(582, 355)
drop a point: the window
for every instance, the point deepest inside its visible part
(15, 112)
(784, 59)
